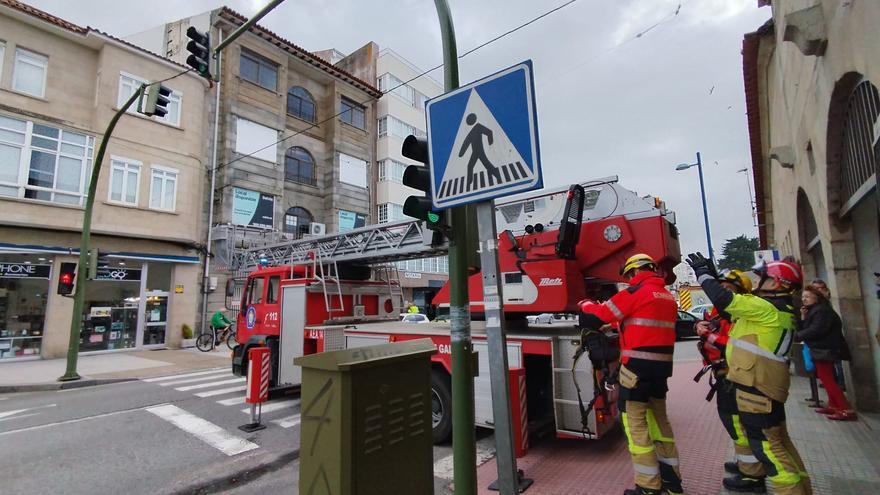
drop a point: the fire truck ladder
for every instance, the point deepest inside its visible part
(330, 274)
(389, 273)
(371, 245)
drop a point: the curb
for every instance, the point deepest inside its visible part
(42, 387)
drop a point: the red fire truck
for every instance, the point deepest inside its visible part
(555, 248)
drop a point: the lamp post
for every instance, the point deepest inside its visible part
(699, 165)
(752, 208)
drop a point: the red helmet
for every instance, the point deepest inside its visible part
(786, 273)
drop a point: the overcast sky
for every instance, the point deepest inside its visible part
(624, 87)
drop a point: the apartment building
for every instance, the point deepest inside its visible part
(297, 136)
(60, 84)
(400, 113)
(811, 76)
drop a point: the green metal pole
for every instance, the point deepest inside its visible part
(464, 456)
(79, 295)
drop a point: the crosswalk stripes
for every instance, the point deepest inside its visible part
(225, 389)
(511, 172)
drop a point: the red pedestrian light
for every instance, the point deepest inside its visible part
(66, 278)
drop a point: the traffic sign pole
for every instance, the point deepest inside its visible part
(464, 454)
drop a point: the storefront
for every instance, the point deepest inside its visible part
(24, 287)
(129, 305)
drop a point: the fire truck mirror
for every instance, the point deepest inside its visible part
(230, 287)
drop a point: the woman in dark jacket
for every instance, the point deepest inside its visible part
(822, 332)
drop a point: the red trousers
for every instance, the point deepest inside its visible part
(836, 399)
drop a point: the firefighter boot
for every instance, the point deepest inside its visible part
(641, 491)
(731, 467)
(739, 483)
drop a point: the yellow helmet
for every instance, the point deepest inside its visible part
(738, 279)
(637, 261)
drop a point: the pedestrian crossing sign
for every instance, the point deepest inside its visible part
(483, 139)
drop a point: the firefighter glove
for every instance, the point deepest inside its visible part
(702, 266)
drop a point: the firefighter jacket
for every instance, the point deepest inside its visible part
(646, 313)
(760, 338)
(715, 343)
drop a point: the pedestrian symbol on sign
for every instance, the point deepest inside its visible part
(483, 139)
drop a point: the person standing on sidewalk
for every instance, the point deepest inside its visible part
(646, 313)
(714, 334)
(757, 358)
(822, 332)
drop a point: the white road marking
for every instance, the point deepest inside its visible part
(288, 421)
(204, 430)
(76, 420)
(171, 377)
(485, 451)
(219, 374)
(18, 417)
(221, 391)
(5, 414)
(211, 384)
(274, 406)
(231, 402)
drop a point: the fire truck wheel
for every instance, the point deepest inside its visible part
(441, 407)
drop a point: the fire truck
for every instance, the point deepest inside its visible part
(556, 247)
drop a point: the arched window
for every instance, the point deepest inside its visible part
(300, 104)
(297, 220)
(859, 144)
(299, 166)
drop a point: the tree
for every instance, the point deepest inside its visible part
(737, 253)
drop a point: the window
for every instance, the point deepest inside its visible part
(389, 125)
(351, 113)
(255, 291)
(272, 290)
(258, 70)
(391, 170)
(297, 221)
(859, 144)
(388, 83)
(352, 170)
(2, 56)
(299, 166)
(300, 104)
(42, 162)
(129, 83)
(163, 188)
(29, 74)
(124, 177)
(256, 140)
(390, 212)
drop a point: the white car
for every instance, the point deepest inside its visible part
(700, 310)
(415, 318)
(543, 318)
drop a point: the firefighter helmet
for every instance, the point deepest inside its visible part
(787, 273)
(738, 279)
(637, 261)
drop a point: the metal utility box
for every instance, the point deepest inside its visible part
(366, 420)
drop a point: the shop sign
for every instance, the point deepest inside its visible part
(252, 208)
(24, 270)
(99, 312)
(349, 220)
(414, 275)
(178, 289)
(118, 274)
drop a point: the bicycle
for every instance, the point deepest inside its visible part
(207, 341)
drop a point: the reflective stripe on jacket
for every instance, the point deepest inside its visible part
(646, 312)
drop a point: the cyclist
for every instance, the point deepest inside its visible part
(220, 324)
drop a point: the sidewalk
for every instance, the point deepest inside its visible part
(107, 368)
(842, 457)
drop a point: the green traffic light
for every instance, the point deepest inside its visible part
(433, 217)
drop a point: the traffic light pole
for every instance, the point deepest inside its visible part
(464, 456)
(85, 240)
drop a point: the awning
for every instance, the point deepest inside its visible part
(33, 248)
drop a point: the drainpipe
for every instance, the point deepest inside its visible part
(214, 166)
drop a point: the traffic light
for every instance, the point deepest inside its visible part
(419, 177)
(96, 262)
(199, 48)
(158, 97)
(66, 279)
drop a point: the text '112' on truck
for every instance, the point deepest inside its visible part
(556, 247)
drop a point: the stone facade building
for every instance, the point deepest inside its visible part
(811, 76)
(60, 84)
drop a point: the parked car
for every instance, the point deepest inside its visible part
(685, 325)
(415, 318)
(700, 310)
(543, 318)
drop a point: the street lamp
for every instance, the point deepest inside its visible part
(752, 205)
(699, 165)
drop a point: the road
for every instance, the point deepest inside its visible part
(168, 435)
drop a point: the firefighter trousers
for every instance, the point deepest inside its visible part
(649, 434)
(763, 420)
(725, 394)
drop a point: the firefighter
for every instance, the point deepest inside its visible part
(713, 338)
(757, 365)
(646, 313)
